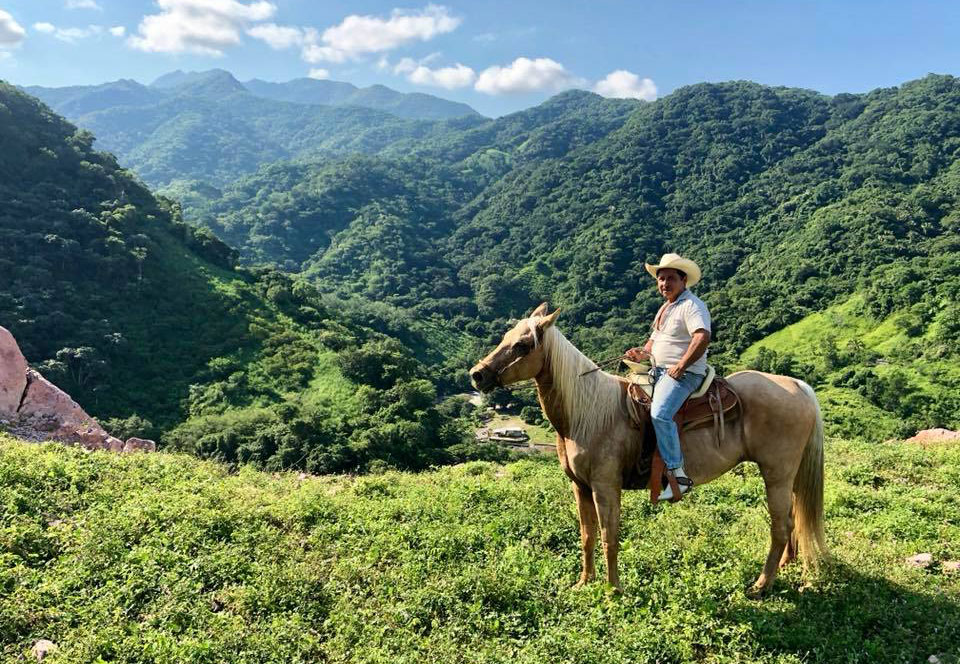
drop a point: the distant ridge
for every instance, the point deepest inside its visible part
(77, 100)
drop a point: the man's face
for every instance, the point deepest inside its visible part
(670, 283)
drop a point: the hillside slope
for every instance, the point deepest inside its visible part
(208, 126)
(164, 558)
(790, 200)
(143, 319)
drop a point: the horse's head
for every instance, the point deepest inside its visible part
(519, 356)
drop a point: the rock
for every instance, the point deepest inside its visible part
(933, 659)
(13, 374)
(139, 445)
(951, 566)
(35, 409)
(922, 560)
(928, 436)
(42, 648)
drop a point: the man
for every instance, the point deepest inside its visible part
(678, 347)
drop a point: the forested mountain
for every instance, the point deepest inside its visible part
(794, 202)
(208, 126)
(827, 228)
(145, 321)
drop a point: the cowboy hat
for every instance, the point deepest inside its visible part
(677, 262)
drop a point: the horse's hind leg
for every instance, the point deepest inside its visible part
(779, 503)
(790, 551)
(587, 512)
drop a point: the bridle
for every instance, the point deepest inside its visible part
(497, 376)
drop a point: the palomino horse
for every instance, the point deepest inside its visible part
(781, 430)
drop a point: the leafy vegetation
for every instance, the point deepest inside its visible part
(793, 202)
(144, 321)
(209, 127)
(164, 558)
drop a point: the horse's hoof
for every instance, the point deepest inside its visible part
(757, 592)
(615, 591)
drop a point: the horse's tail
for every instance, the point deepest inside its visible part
(808, 494)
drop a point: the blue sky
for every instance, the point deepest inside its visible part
(498, 56)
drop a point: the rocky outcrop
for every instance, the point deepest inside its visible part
(33, 408)
(13, 373)
(929, 436)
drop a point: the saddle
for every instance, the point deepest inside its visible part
(714, 402)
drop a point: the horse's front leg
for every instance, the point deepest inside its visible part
(587, 512)
(607, 499)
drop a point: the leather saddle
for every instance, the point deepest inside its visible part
(715, 401)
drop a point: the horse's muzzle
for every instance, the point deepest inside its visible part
(482, 378)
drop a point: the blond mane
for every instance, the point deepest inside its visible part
(590, 403)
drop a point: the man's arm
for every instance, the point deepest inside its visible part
(642, 353)
(696, 349)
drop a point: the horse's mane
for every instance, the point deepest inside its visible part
(590, 403)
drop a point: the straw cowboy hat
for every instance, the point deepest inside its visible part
(677, 262)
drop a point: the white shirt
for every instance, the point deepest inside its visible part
(678, 320)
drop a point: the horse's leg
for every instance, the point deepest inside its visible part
(607, 499)
(587, 512)
(790, 551)
(779, 503)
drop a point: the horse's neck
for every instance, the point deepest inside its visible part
(551, 401)
(559, 389)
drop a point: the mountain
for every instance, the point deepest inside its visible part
(207, 126)
(795, 203)
(146, 323)
(414, 105)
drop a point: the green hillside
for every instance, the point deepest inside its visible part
(164, 558)
(144, 321)
(792, 201)
(207, 126)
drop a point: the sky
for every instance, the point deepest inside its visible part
(498, 56)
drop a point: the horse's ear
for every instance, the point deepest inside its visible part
(547, 321)
(540, 311)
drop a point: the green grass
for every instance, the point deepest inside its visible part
(164, 558)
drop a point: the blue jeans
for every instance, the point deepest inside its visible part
(668, 395)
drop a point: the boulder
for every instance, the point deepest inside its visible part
(42, 648)
(33, 408)
(928, 436)
(13, 374)
(139, 445)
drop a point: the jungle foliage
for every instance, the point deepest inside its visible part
(146, 323)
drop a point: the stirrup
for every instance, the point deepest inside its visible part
(683, 484)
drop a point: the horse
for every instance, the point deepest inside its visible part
(780, 429)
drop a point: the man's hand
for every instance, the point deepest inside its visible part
(637, 354)
(676, 372)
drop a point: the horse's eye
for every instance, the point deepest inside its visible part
(522, 346)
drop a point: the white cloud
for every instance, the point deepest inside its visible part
(457, 76)
(11, 32)
(83, 4)
(526, 75)
(358, 35)
(319, 74)
(198, 26)
(278, 37)
(118, 31)
(71, 35)
(621, 83)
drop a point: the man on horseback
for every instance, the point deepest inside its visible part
(678, 347)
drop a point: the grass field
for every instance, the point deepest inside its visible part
(164, 558)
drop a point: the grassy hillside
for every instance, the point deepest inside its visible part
(164, 558)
